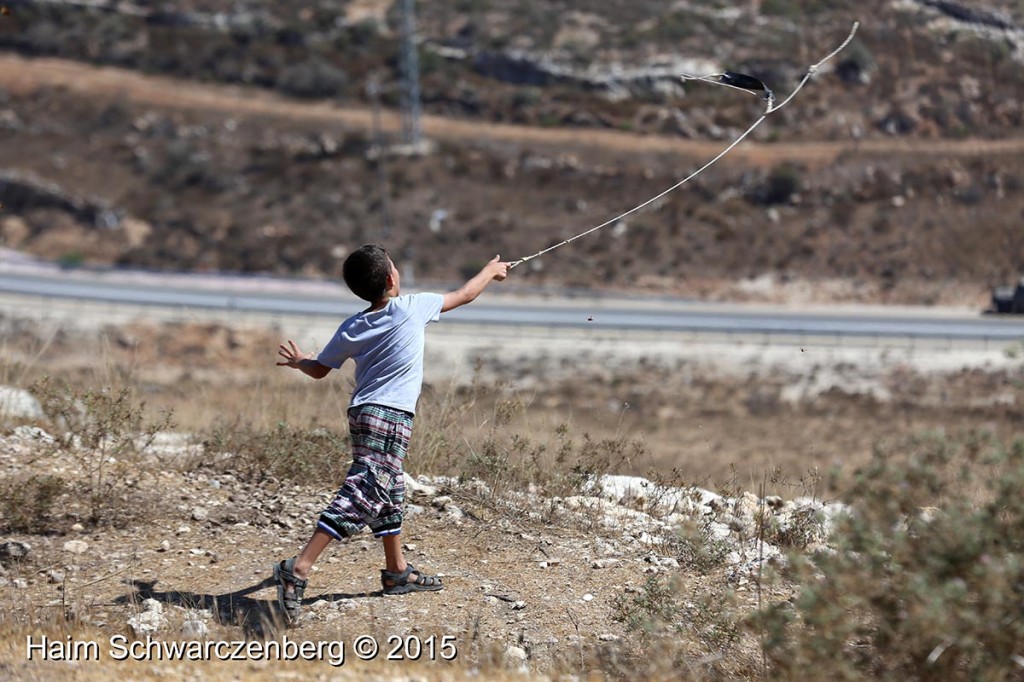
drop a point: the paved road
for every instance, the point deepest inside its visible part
(315, 299)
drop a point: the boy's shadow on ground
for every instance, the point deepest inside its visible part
(258, 618)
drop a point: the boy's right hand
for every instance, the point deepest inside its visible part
(291, 354)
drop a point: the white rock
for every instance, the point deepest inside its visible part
(20, 583)
(165, 546)
(76, 546)
(519, 606)
(14, 551)
(588, 597)
(418, 488)
(604, 563)
(152, 605)
(719, 531)
(18, 403)
(515, 656)
(146, 623)
(33, 434)
(194, 629)
(200, 514)
(608, 637)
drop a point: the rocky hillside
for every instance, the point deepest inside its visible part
(896, 170)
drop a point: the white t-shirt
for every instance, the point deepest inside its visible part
(387, 346)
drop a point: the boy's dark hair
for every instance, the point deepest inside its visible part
(366, 272)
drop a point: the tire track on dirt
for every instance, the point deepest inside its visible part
(23, 75)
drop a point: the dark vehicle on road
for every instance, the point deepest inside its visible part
(1009, 299)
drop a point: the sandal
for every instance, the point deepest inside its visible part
(400, 583)
(289, 601)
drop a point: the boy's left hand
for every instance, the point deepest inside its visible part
(498, 269)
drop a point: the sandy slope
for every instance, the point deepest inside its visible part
(20, 75)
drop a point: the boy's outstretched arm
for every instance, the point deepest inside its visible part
(295, 358)
(495, 270)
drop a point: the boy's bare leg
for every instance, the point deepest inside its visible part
(311, 552)
(394, 561)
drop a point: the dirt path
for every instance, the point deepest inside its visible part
(22, 75)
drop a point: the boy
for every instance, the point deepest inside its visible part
(386, 341)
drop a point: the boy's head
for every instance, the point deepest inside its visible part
(366, 272)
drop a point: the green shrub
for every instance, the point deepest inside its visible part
(28, 503)
(303, 455)
(662, 608)
(926, 580)
(313, 78)
(102, 434)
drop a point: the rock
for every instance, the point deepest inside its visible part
(136, 231)
(588, 597)
(165, 546)
(76, 546)
(409, 547)
(747, 506)
(182, 530)
(14, 231)
(33, 434)
(146, 623)
(200, 514)
(608, 637)
(194, 628)
(418, 488)
(150, 620)
(14, 551)
(17, 403)
(604, 563)
(519, 606)
(515, 656)
(56, 576)
(20, 583)
(78, 528)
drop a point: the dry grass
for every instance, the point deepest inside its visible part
(282, 433)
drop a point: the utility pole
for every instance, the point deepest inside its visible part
(373, 90)
(412, 134)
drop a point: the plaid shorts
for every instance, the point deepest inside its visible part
(374, 487)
